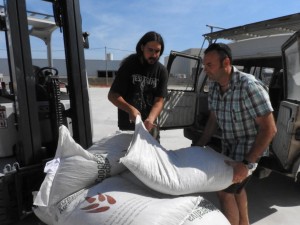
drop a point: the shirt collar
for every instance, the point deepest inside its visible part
(235, 78)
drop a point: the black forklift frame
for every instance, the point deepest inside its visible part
(16, 187)
(77, 77)
(20, 61)
(20, 65)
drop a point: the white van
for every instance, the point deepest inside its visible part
(270, 51)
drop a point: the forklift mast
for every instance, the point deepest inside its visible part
(28, 155)
(23, 79)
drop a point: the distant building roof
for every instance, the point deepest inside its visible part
(111, 65)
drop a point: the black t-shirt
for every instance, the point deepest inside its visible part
(139, 84)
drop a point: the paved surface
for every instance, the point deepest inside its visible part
(272, 201)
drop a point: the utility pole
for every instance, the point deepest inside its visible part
(106, 74)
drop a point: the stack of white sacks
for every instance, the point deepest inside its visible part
(129, 179)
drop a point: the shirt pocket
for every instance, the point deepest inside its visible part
(237, 113)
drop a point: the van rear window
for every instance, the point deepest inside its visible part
(293, 71)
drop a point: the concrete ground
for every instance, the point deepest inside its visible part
(274, 200)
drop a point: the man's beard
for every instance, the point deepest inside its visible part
(151, 60)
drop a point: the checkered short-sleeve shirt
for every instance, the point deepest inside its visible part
(236, 110)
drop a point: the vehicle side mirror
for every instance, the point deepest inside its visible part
(85, 36)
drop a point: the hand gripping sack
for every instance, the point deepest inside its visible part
(74, 168)
(183, 171)
(116, 201)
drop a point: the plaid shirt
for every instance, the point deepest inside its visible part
(236, 110)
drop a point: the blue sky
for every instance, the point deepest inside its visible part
(119, 24)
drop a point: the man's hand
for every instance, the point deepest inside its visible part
(149, 125)
(133, 113)
(240, 171)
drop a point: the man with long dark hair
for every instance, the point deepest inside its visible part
(141, 85)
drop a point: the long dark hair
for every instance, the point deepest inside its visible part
(150, 36)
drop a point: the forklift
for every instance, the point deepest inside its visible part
(35, 101)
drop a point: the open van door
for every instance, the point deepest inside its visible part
(181, 101)
(286, 143)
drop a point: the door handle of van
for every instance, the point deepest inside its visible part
(290, 127)
(297, 134)
(168, 97)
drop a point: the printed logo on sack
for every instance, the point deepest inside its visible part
(103, 167)
(96, 203)
(203, 208)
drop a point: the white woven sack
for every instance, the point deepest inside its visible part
(42, 212)
(183, 171)
(116, 201)
(204, 214)
(130, 177)
(74, 168)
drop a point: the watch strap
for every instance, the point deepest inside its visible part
(250, 166)
(246, 162)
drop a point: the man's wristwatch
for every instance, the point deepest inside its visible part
(250, 166)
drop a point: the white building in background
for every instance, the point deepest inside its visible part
(107, 68)
(95, 68)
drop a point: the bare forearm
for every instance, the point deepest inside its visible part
(120, 102)
(154, 113)
(266, 132)
(209, 130)
(156, 109)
